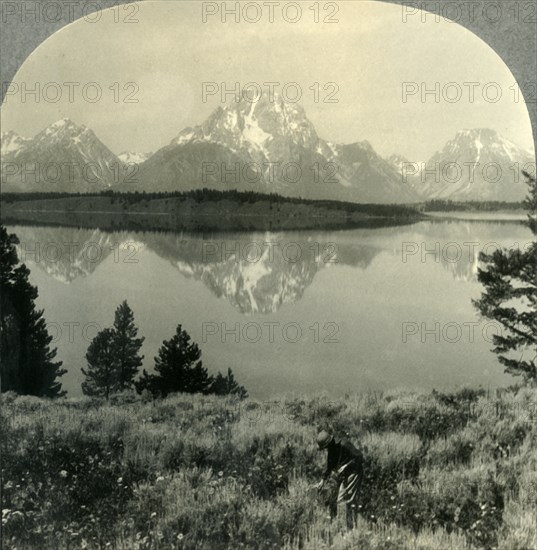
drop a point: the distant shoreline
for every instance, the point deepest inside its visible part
(212, 210)
(199, 211)
(477, 215)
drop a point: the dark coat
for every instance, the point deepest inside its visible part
(343, 453)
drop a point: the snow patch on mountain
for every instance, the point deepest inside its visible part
(130, 157)
(11, 143)
(82, 162)
(477, 164)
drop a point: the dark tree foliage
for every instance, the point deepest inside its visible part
(102, 371)
(113, 356)
(126, 347)
(446, 205)
(227, 385)
(27, 364)
(178, 367)
(216, 195)
(510, 298)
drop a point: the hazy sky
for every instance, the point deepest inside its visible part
(369, 54)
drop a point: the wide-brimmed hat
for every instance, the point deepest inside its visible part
(324, 439)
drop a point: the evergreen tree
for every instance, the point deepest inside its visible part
(26, 359)
(510, 298)
(178, 367)
(10, 323)
(227, 385)
(102, 372)
(126, 347)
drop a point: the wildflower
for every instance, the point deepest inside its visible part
(120, 480)
(180, 536)
(63, 474)
(160, 478)
(220, 473)
(154, 515)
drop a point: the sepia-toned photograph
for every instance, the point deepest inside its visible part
(268, 275)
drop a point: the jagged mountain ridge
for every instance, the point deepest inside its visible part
(267, 139)
(477, 164)
(261, 139)
(65, 157)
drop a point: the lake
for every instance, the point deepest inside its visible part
(335, 311)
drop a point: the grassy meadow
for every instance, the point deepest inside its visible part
(443, 471)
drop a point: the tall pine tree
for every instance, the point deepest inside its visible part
(178, 367)
(510, 298)
(126, 346)
(27, 363)
(102, 372)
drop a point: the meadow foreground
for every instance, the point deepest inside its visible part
(191, 472)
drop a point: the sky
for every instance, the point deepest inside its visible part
(164, 58)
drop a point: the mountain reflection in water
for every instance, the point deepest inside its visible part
(364, 284)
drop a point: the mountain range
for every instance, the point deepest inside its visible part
(477, 164)
(64, 157)
(266, 146)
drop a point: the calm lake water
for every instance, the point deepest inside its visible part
(289, 312)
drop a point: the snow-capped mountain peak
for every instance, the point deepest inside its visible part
(252, 124)
(11, 144)
(263, 136)
(130, 157)
(477, 164)
(66, 157)
(63, 128)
